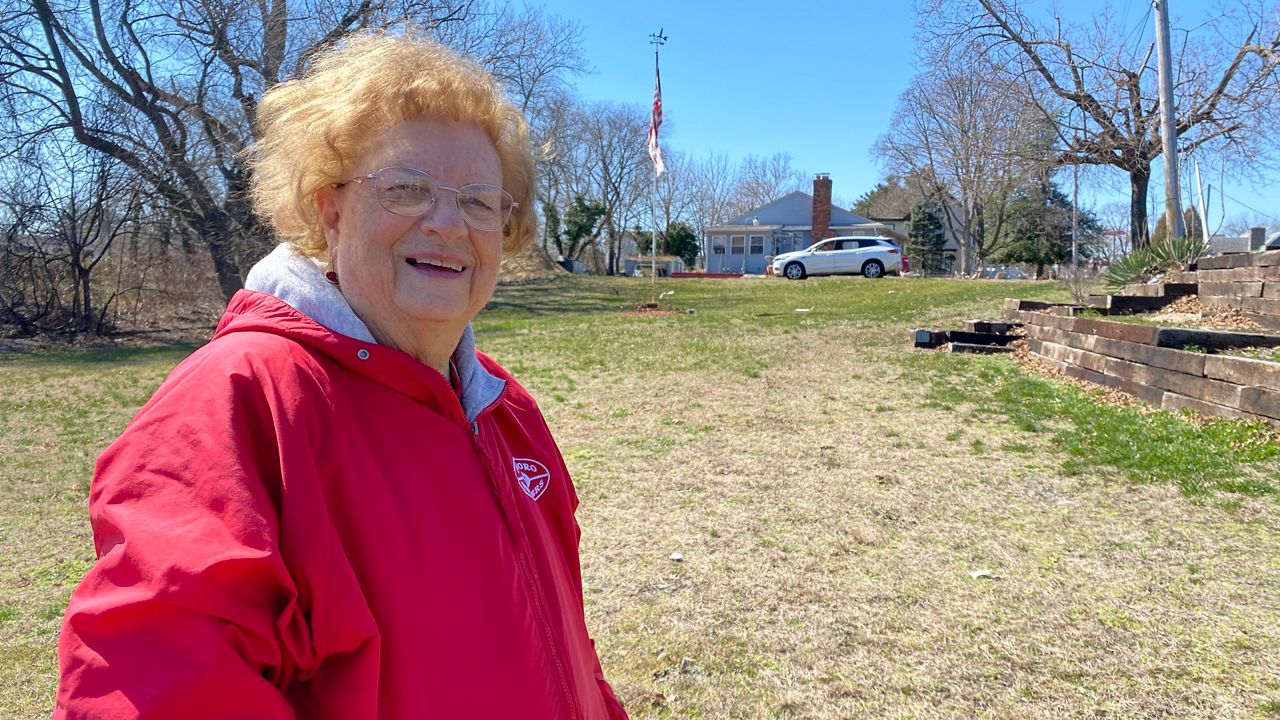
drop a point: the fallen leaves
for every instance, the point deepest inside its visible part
(1191, 311)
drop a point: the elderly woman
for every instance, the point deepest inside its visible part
(338, 508)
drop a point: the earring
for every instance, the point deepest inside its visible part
(332, 277)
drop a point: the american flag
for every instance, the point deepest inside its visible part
(655, 152)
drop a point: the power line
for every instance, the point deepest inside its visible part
(1140, 28)
(1270, 218)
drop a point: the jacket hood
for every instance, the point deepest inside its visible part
(313, 311)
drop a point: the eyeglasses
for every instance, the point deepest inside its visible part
(412, 193)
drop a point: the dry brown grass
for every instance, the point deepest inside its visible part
(830, 534)
(829, 518)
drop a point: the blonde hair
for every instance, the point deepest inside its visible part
(314, 127)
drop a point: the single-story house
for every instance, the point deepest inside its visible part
(793, 222)
(1255, 240)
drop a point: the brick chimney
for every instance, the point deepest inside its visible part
(821, 207)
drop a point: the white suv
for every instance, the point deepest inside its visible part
(868, 256)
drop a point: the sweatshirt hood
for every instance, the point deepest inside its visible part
(299, 282)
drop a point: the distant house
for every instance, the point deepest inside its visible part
(943, 260)
(792, 222)
(666, 264)
(1255, 240)
(895, 227)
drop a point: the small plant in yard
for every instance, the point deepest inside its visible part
(1079, 281)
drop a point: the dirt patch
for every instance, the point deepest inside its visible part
(529, 265)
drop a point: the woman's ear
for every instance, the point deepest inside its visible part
(330, 211)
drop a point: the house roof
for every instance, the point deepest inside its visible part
(1243, 242)
(793, 210)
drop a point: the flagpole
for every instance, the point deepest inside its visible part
(655, 154)
(653, 248)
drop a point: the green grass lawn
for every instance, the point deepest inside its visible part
(866, 530)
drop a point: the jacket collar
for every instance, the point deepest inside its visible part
(299, 282)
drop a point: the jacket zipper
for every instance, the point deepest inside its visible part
(522, 557)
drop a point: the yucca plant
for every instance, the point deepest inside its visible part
(1135, 267)
(1178, 253)
(1164, 256)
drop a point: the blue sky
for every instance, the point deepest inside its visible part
(816, 80)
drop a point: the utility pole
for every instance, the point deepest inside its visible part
(1168, 135)
(1075, 205)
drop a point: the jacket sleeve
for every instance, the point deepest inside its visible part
(182, 613)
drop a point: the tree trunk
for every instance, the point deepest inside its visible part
(217, 236)
(611, 257)
(76, 300)
(86, 319)
(1138, 182)
(225, 267)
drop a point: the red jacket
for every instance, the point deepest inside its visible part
(302, 524)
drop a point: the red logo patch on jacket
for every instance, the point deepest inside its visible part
(533, 476)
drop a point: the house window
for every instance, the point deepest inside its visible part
(717, 244)
(757, 244)
(737, 243)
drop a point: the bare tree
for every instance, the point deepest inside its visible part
(169, 88)
(761, 180)
(598, 153)
(674, 195)
(66, 210)
(30, 294)
(965, 142)
(94, 217)
(1098, 84)
(619, 165)
(892, 197)
(532, 54)
(711, 183)
(1114, 241)
(1241, 223)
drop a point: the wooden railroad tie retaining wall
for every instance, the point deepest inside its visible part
(1148, 362)
(1245, 281)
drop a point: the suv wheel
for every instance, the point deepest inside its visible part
(794, 271)
(872, 269)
